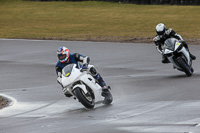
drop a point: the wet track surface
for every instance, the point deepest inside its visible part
(149, 97)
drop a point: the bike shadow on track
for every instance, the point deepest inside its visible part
(83, 109)
(195, 75)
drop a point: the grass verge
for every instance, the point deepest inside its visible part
(96, 21)
(3, 102)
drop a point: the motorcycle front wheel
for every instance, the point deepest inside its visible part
(188, 71)
(85, 99)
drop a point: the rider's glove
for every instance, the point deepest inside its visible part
(59, 78)
(84, 67)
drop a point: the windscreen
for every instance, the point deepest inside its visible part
(170, 43)
(67, 70)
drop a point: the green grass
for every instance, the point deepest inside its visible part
(90, 20)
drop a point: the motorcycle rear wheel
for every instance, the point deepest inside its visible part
(108, 97)
(85, 99)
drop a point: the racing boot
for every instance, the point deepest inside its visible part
(102, 84)
(67, 94)
(165, 59)
(192, 56)
(105, 91)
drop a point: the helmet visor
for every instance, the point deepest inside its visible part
(61, 56)
(160, 32)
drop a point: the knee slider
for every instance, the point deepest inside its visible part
(93, 71)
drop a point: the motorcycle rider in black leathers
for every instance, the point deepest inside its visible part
(163, 34)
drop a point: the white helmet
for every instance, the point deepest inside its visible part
(63, 54)
(160, 29)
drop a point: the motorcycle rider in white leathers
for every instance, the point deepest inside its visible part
(65, 58)
(163, 34)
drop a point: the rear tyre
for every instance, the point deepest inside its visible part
(85, 99)
(108, 97)
(188, 70)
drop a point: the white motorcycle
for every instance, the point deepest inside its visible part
(178, 55)
(82, 86)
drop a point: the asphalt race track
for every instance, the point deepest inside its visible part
(149, 97)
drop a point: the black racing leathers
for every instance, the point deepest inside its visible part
(169, 33)
(160, 39)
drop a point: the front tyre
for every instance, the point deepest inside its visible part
(85, 99)
(188, 71)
